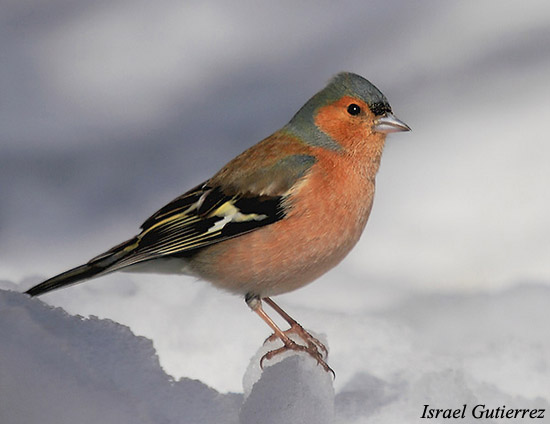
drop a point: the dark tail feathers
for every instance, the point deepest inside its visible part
(73, 276)
(100, 265)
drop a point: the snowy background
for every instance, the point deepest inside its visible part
(108, 110)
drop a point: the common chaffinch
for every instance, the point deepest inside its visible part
(274, 218)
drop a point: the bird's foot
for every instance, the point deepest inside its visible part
(312, 342)
(292, 345)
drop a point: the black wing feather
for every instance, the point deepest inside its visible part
(189, 223)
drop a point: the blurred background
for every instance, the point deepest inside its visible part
(110, 109)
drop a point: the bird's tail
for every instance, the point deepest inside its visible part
(100, 265)
(73, 276)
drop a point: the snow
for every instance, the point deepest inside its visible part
(293, 390)
(57, 368)
(441, 350)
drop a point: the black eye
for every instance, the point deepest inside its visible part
(354, 109)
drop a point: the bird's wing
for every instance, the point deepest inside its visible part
(213, 212)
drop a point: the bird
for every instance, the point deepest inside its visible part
(274, 218)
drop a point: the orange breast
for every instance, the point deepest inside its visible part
(329, 210)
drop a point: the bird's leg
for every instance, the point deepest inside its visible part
(255, 303)
(296, 328)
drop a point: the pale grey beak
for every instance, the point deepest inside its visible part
(388, 123)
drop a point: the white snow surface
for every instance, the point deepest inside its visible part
(443, 350)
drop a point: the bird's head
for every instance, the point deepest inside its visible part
(348, 111)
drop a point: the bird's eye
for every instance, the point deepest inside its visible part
(354, 109)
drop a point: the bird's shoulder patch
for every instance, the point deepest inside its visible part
(275, 177)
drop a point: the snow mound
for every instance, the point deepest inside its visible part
(56, 368)
(293, 390)
(440, 350)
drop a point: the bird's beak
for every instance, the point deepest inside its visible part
(388, 123)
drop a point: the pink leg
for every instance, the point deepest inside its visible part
(296, 328)
(256, 305)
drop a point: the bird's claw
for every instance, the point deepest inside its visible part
(311, 349)
(312, 342)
